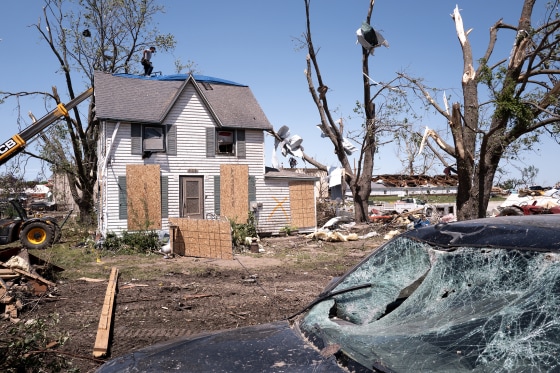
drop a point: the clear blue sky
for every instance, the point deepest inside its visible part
(254, 42)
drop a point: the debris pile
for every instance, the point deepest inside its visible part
(21, 279)
(530, 202)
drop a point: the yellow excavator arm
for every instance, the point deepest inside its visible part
(17, 142)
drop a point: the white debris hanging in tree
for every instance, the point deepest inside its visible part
(369, 38)
(287, 144)
(349, 148)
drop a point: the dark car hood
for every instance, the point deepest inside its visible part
(271, 347)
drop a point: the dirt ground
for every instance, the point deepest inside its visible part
(193, 295)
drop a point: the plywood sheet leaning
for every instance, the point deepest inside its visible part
(234, 192)
(143, 188)
(302, 204)
(104, 329)
(202, 238)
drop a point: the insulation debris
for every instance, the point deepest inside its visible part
(326, 235)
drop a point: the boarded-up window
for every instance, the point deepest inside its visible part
(123, 208)
(234, 193)
(143, 185)
(252, 192)
(302, 204)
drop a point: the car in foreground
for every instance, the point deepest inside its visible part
(471, 296)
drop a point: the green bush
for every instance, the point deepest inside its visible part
(241, 231)
(132, 242)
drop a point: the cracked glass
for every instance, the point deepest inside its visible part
(425, 308)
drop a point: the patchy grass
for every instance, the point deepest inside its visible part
(91, 263)
(79, 258)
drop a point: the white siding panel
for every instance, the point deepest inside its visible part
(274, 194)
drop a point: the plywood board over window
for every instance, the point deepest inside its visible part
(302, 204)
(234, 192)
(143, 186)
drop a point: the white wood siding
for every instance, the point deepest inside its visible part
(274, 194)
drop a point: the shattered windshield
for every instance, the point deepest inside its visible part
(464, 310)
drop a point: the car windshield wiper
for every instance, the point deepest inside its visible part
(329, 295)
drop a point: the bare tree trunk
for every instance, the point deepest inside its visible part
(358, 179)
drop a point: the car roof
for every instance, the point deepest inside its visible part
(530, 232)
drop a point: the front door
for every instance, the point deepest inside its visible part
(192, 197)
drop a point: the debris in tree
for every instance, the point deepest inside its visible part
(369, 38)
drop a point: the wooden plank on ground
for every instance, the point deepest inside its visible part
(104, 329)
(34, 276)
(8, 274)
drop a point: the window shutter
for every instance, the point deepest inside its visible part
(241, 147)
(217, 195)
(123, 208)
(210, 142)
(171, 139)
(252, 190)
(135, 138)
(164, 196)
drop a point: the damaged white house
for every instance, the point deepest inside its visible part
(189, 146)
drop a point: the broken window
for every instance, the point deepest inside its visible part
(225, 142)
(420, 308)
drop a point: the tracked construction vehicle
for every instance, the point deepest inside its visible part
(41, 232)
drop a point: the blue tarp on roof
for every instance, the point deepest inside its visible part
(180, 77)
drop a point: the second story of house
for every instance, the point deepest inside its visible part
(181, 122)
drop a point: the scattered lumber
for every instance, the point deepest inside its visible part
(20, 279)
(104, 329)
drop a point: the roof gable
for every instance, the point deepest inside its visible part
(137, 98)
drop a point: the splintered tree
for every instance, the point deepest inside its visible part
(508, 102)
(83, 36)
(357, 178)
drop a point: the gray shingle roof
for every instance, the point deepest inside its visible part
(141, 99)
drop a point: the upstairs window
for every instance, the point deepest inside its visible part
(225, 144)
(153, 139)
